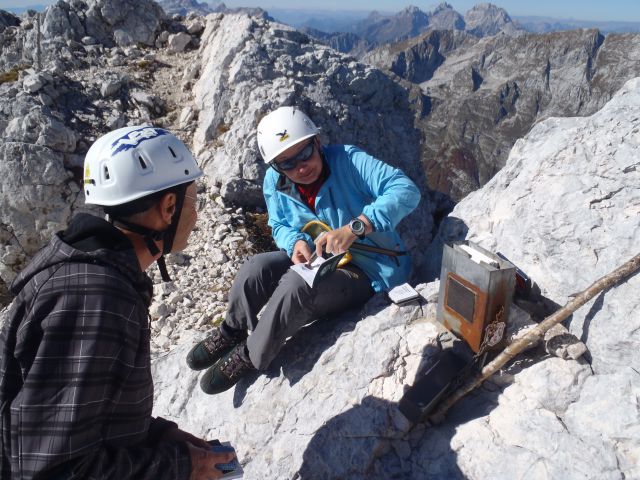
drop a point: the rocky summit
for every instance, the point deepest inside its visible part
(564, 208)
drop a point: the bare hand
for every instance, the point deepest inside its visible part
(335, 241)
(203, 463)
(301, 252)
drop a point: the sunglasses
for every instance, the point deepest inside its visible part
(291, 163)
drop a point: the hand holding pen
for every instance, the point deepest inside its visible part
(314, 255)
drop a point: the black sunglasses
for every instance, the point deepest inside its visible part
(291, 163)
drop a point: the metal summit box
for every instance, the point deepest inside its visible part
(476, 289)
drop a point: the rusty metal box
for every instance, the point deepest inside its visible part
(476, 289)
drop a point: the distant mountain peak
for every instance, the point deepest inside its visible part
(411, 9)
(182, 7)
(442, 6)
(414, 13)
(489, 10)
(444, 17)
(486, 19)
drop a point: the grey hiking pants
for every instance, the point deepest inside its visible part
(265, 279)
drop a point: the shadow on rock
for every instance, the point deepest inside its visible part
(301, 352)
(372, 441)
(347, 446)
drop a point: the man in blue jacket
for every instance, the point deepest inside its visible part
(358, 196)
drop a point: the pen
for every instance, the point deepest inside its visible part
(314, 255)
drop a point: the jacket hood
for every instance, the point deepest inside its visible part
(89, 239)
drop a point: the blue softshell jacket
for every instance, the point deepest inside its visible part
(357, 184)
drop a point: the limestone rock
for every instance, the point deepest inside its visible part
(196, 26)
(584, 227)
(33, 83)
(119, 22)
(110, 87)
(35, 202)
(39, 129)
(559, 342)
(565, 209)
(179, 41)
(325, 377)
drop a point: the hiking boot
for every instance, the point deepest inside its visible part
(214, 347)
(227, 371)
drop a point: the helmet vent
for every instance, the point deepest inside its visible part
(106, 173)
(173, 153)
(143, 164)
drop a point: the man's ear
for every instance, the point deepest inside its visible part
(167, 206)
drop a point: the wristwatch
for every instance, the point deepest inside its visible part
(357, 228)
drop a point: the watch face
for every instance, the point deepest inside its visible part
(357, 226)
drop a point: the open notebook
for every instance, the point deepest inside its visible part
(319, 269)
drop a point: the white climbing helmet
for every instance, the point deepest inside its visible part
(132, 162)
(281, 129)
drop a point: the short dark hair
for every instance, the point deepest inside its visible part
(140, 205)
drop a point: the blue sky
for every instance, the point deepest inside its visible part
(611, 10)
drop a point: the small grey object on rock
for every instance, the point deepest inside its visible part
(110, 88)
(33, 83)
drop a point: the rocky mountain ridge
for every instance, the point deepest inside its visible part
(480, 95)
(482, 20)
(536, 24)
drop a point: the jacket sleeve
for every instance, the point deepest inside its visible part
(84, 408)
(393, 194)
(284, 234)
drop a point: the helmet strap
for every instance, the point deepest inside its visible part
(170, 233)
(152, 236)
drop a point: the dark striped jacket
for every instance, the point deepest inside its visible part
(76, 392)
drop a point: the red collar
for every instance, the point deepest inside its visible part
(308, 193)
